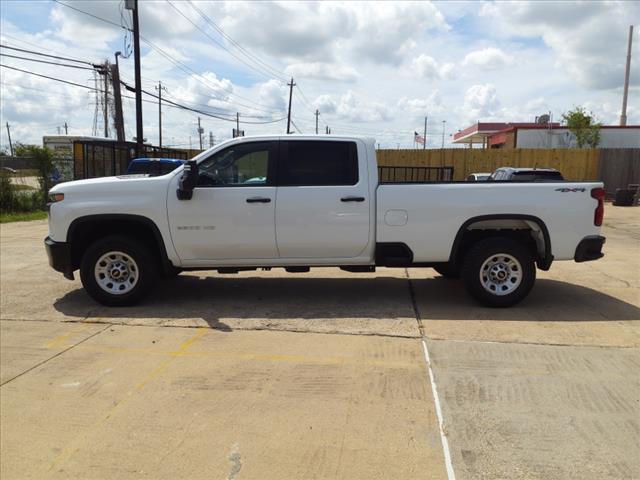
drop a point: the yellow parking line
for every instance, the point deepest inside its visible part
(322, 360)
(74, 445)
(178, 353)
(61, 339)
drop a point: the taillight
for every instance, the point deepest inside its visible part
(598, 194)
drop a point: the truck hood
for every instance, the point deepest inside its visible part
(108, 183)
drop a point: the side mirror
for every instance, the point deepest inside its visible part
(188, 180)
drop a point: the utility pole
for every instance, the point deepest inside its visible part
(133, 5)
(105, 70)
(444, 122)
(117, 97)
(625, 94)
(317, 115)
(9, 135)
(159, 88)
(200, 130)
(66, 128)
(238, 124)
(291, 85)
(424, 145)
(58, 127)
(210, 139)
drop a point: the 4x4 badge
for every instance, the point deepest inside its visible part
(565, 190)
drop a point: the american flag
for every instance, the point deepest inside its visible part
(418, 138)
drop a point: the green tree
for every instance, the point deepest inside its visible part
(583, 126)
(43, 158)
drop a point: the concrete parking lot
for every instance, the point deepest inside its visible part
(322, 375)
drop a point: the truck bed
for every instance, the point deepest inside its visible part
(427, 217)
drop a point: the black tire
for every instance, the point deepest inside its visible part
(483, 251)
(146, 268)
(447, 271)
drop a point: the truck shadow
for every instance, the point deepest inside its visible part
(215, 299)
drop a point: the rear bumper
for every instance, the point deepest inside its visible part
(589, 248)
(59, 254)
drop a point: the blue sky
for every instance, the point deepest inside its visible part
(370, 68)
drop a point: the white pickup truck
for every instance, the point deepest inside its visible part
(297, 202)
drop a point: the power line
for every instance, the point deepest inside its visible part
(177, 63)
(221, 45)
(41, 92)
(39, 46)
(91, 15)
(169, 103)
(273, 71)
(45, 61)
(295, 126)
(67, 59)
(47, 77)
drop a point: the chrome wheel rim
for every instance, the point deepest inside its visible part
(501, 274)
(116, 273)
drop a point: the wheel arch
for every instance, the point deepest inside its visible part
(86, 229)
(483, 226)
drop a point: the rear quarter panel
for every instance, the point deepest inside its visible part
(435, 213)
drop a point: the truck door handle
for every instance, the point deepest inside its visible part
(258, 200)
(352, 199)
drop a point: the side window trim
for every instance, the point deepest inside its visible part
(274, 151)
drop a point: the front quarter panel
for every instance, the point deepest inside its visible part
(141, 196)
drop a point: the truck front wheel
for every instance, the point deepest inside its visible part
(117, 271)
(499, 272)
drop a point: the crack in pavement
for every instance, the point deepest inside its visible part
(54, 356)
(236, 329)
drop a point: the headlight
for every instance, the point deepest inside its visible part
(56, 197)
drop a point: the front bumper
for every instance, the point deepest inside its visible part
(59, 254)
(589, 248)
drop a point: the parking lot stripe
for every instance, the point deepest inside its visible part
(61, 339)
(55, 355)
(178, 353)
(436, 399)
(434, 389)
(73, 447)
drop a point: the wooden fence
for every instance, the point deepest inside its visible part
(618, 168)
(573, 163)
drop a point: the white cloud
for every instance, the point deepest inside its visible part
(427, 67)
(372, 68)
(323, 71)
(378, 32)
(487, 59)
(272, 94)
(205, 90)
(422, 106)
(588, 39)
(480, 102)
(350, 107)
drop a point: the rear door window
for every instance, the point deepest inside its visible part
(308, 163)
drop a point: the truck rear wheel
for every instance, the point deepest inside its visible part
(117, 271)
(499, 272)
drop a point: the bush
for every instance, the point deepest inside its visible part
(13, 199)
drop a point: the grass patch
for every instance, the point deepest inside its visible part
(6, 217)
